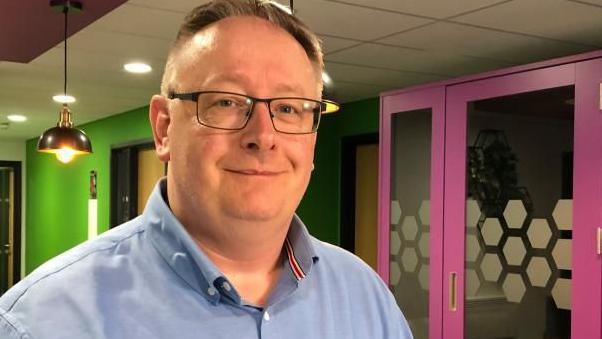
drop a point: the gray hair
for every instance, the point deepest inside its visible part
(277, 14)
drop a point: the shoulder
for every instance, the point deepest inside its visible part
(338, 258)
(71, 267)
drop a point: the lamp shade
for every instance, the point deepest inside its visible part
(58, 138)
(64, 140)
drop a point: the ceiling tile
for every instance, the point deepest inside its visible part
(141, 21)
(557, 19)
(348, 91)
(368, 75)
(348, 21)
(117, 44)
(330, 43)
(429, 8)
(427, 62)
(451, 38)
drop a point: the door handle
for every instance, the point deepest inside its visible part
(7, 249)
(453, 291)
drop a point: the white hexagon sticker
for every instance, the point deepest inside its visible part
(515, 213)
(423, 245)
(514, 251)
(394, 273)
(409, 259)
(539, 233)
(472, 247)
(424, 212)
(395, 212)
(395, 243)
(491, 267)
(514, 287)
(473, 213)
(561, 292)
(472, 283)
(539, 271)
(409, 228)
(423, 277)
(563, 214)
(562, 254)
(491, 231)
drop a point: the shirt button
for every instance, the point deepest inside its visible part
(266, 316)
(211, 291)
(226, 286)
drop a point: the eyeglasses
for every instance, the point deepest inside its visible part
(232, 111)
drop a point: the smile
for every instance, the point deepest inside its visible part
(254, 172)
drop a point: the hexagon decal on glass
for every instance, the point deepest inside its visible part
(515, 213)
(423, 277)
(514, 251)
(395, 212)
(409, 259)
(473, 213)
(424, 212)
(539, 233)
(423, 245)
(563, 214)
(395, 243)
(472, 283)
(514, 287)
(409, 228)
(472, 247)
(491, 267)
(561, 292)
(491, 231)
(562, 254)
(539, 271)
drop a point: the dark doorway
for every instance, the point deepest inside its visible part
(134, 171)
(359, 195)
(10, 224)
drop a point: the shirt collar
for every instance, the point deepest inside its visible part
(186, 259)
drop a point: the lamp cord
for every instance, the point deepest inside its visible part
(65, 11)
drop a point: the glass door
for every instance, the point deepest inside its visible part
(411, 205)
(515, 182)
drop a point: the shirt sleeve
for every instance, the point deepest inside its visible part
(10, 329)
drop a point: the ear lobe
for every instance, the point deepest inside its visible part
(158, 113)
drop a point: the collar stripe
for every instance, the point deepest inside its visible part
(292, 260)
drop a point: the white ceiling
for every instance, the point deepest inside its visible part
(371, 46)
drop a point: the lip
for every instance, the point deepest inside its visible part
(255, 172)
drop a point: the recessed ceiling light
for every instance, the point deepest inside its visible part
(137, 67)
(326, 78)
(16, 118)
(63, 99)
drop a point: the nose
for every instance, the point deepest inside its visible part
(259, 133)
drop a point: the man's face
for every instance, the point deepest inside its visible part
(255, 174)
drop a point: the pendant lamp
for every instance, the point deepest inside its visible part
(64, 140)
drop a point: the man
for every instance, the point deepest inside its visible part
(218, 251)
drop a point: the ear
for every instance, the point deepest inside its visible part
(158, 113)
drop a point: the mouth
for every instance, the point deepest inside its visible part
(254, 172)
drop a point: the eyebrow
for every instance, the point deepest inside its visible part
(239, 78)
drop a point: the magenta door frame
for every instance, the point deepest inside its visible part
(587, 202)
(585, 318)
(433, 98)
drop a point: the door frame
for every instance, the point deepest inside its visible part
(349, 146)
(585, 316)
(433, 98)
(16, 246)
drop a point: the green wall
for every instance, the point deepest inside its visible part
(320, 208)
(57, 194)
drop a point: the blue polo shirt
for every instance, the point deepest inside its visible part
(148, 279)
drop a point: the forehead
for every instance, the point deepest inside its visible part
(243, 45)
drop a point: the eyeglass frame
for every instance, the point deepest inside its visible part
(194, 97)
